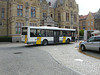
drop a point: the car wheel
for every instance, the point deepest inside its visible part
(45, 42)
(83, 48)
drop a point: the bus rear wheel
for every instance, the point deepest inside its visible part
(68, 41)
(45, 42)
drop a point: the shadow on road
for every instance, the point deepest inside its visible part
(94, 54)
(47, 45)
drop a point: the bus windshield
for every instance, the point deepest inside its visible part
(24, 31)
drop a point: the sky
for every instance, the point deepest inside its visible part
(86, 6)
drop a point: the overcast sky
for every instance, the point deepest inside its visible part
(87, 5)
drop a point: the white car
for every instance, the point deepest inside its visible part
(93, 43)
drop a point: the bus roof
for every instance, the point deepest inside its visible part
(50, 28)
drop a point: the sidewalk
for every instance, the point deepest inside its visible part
(5, 42)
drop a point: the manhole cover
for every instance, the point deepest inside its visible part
(18, 53)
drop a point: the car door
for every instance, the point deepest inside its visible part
(89, 44)
(96, 44)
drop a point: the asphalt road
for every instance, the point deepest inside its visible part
(19, 59)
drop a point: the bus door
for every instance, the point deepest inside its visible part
(24, 34)
(56, 36)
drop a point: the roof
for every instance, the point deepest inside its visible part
(51, 28)
(83, 17)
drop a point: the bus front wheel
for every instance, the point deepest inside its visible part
(45, 42)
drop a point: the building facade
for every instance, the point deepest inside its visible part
(86, 22)
(97, 20)
(18, 13)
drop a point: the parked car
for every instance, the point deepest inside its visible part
(93, 43)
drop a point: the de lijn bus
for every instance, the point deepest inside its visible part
(46, 35)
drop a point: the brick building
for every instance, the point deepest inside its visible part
(86, 22)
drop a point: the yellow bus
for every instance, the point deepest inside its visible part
(46, 35)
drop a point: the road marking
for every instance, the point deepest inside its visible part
(79, 60)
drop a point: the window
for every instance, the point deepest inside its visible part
(64, 33)
(75, 18)
(18, 27)
(91, 39)
(67, 27)
(61, 1)
(44, 15)
(83, 23)
(49, 33)
(92, 23)
(43, 33)
(24, 31)
(40, 1)
(97, 39)
(19, 10)
(67, 16)
(33, 33)
(33, 24)
(38, 33)
(69, 33)
(3, 12)
(33, 12)
(71, 4)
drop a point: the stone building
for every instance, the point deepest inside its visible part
(86, 22)
(3, 18)
(66, 14)
(17, 13)
(97, 20)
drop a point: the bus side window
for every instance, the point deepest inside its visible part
(49, 33)
(38, 33)
(43, 33)
(68, 33)
(32, 33)
(61, 33)
(64, 33)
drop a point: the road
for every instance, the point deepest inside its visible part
(19, 59)
(62, 59)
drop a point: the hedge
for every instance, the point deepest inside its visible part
(5, 39)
